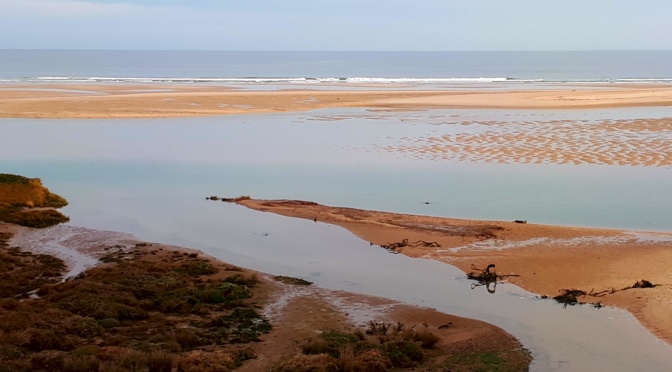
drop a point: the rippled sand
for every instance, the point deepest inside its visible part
(634, 142)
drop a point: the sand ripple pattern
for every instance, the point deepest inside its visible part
(634, 142)
(498, 245)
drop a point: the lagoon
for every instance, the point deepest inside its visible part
(150, 178)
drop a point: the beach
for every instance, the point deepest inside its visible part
(544, 259)
(156, 100)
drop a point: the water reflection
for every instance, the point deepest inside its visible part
(336, 163)
(147, 177)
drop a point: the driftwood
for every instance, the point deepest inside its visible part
(392, 247)
(378, 328)
(641, 284)
(570, 296)
(487, 277)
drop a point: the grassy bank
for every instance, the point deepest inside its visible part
(24, 201)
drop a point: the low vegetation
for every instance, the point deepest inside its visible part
(390, 347)
(150, 309)
(291, 280)
(24, 201)
(491, 361)
(153, 309)
(362, 351)
(145, 310)
(22, 272)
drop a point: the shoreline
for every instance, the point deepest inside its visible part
(546, 258)
(298, 313)
(160, 101)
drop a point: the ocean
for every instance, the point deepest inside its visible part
(226, 67)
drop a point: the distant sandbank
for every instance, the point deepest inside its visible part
(155, 100)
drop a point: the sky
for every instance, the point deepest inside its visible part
(427, 25)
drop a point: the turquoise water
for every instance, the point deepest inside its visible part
(150, 178)
(334, 157)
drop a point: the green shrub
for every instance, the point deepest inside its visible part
(83, 327)
(242, 325)
(13, 178)
(197, 268)
(188, 339)
(84, 363)
(38, 219)
(108, 323)
(403, 354)
(426, 338)
(46, 339)
(159, 361)
(90, 350)
(134, 361)
(47, 361)
(240, 279)
(54, 201)
(317, 346)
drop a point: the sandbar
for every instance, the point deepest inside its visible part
(547, 259)
(634, 142)
(156, 100)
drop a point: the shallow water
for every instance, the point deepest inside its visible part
(577, 338)
(580, 338)
(150, 178)
(334, 157)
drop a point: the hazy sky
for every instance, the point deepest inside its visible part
(336, 24)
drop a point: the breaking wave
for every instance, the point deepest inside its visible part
(332, 80)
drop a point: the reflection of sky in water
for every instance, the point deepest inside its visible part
(560, 340)
(334, 160)
(150, 178)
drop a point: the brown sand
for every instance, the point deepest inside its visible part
(547, 258)
(152, 100)
(635, 142)
(300, 312)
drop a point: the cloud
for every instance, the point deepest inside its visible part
(333, 25)
(62, 9)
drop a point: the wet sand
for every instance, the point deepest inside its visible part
(155, 100)
(546, 258)
(633, 142)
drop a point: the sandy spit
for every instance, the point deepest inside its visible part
(546, 258)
